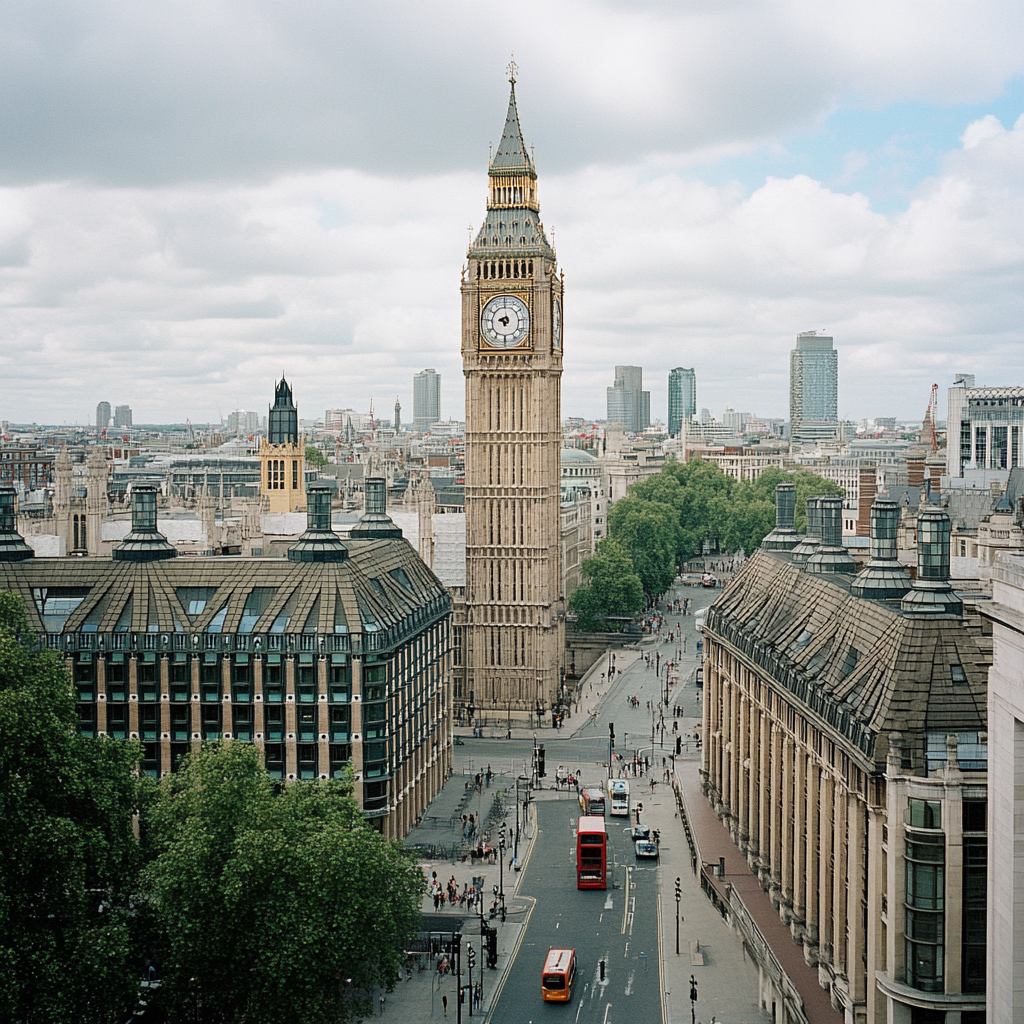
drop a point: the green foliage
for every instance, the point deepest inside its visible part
(648, 532)
(315, 457)
(705, 505)
(612, 587)
(68, 856)
(266, 903)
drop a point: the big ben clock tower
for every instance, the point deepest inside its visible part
(512, 360)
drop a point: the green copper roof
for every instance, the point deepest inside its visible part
(511, 155)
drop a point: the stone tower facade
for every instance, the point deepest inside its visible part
(283, 455)
(512, 360)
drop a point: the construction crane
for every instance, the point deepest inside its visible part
(928, 434)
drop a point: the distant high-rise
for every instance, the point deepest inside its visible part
(122, 415)
(398, 415)
(682, 398)
(628, 404)
(102, 416)
(426, 400)
(813, 389)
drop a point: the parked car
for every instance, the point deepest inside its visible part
(690, 579)
(640, 832)
(645, 848)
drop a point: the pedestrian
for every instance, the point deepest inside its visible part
(444, 1003)
(382, 1004)
(437, 900)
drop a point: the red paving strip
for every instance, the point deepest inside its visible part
(713, 842)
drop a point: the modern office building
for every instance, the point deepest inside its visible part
(102, 416)
(813, 390)
(513, 641)
(426, 400)
(628, 404)
(123, 416)
(682, 398)
(984, 433)
(334, 654)
(845, 749)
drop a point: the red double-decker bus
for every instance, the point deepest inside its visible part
(591, 853)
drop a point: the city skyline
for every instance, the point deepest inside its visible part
(733, 215)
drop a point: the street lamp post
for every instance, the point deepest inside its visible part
(470, 961)
(679, 896)
(501, 868)
(457, 943)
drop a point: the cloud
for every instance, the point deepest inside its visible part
(190, 299)
(129, 94)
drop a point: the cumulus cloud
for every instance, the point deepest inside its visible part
(190, 299)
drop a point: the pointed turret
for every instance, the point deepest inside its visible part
(513, 226)
(512, 156)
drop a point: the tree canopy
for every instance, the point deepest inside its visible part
(611, 588)
(68, 856)
(253, 902)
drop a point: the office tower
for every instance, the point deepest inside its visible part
(813, 389)
(426, 400)
(122, 415)
(102, 416)
(682, 398)
(984, 431)
(513, 643)
(628, 404)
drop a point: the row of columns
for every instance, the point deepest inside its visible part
(414, 785)
(791, 814)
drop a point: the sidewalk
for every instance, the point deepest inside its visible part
(419, 997)
(713, 842)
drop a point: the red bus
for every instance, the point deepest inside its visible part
(591, 853)
(559, 974)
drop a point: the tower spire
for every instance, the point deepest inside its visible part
(511, 155)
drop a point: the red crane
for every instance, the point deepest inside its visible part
(929, 418)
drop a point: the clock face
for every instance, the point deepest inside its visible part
(556, 324)
(505, 321)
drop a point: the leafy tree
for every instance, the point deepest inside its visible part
(648, 533)
(315, 457)
(612, 587)
(271, 906)
(68, 856)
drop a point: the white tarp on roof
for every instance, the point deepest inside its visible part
(449, 542)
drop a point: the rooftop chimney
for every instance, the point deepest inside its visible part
(319, 543)
(812, 538)
(12, 546)
(831, 556)
(145, 543)
(784, 537)
(375, 524)
(931, 593)
(884, 576)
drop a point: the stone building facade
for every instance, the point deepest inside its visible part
(845, 750)
(512, 360)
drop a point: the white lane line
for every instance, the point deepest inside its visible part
(606, 1009)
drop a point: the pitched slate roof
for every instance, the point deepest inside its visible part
(860, 667)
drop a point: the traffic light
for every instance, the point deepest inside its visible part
(611, 733)
(471, 957)
(693, 989)
(679, 744)
(679, 889)
(540, 763)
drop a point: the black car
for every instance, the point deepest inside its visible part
(640, 832)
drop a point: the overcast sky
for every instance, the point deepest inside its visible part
(199, 196)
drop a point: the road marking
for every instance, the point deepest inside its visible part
(608, 903)
(606, 1009)
(580, 1008)
(625, 904)
(629, 984)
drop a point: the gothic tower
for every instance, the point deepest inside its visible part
(283, 455)
(512, 360)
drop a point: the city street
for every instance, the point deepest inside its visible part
(618, 926)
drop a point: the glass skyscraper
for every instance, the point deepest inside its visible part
(813, 389)
(682, 398)
(426, 400)
(628, 404)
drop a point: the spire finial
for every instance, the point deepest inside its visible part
(512, 68)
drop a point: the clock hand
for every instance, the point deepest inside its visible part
(503, 320)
